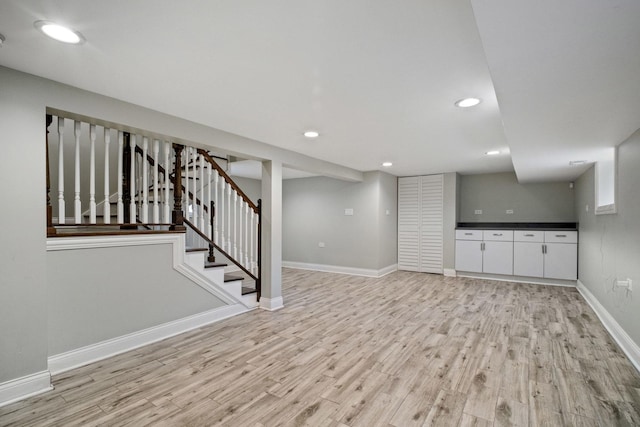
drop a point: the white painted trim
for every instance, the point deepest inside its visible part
(271, 304)
(341, 269)
(92, 353)
(519, 279)
(449, 272)
(623, 339)
(24, 387)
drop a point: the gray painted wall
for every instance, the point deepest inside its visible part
(103, 293)
(313, 212)
(251, 187)
(609, 245)
(23, 282)
(496, 192)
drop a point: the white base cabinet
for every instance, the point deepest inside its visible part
(528, 253)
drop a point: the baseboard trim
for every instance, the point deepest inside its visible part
(24, 387)
(449, 272)
(92, 353)
(629, 347)
(271, 304)
(341, 269)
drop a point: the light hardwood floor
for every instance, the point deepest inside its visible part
(408, 349)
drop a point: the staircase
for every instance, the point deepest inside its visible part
(151, 184)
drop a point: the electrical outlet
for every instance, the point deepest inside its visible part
(625, 284)
(509, 211)
(478, 212)
(348, 211)
(321, 244)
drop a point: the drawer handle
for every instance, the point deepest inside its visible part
(497, 234)
(529, 235)
(561, 235)
(468, 234)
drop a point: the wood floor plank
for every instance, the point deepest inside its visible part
(405, 349)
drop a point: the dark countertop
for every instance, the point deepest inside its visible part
(550, 226)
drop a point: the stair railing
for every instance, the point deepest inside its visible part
(204, 197)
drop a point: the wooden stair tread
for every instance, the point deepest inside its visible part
(246, 290)
(231, 278)
(196, 249)
(214, 264)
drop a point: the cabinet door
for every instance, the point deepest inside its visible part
(469, 255)
(408, 224)
(528, 259)
(498, 258)
(561, 261)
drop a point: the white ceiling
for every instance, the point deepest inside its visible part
(376, 78)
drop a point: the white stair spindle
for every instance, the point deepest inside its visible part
(194, 200)
(132, 205)
(216, 218)
(167, 194)
(228, 202)
(235, 224)
(119, 203)
(209, 193)
(247, 227)
(251, 239)
(187, 154)
(61, 209)
(145, 182)
(77, 205)
(202, 194)
(156, 159)
(220, 211)
(241, 234)
(106, 208)
(92, 175)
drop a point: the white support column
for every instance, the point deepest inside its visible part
(119, 202)
(61, 209)
(271, 262)
(106, 208)
(92, 174)
(156, 201)
(77, 205)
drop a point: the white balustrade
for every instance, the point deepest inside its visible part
(92, 175)
(229, 245)
(77, 204)
(106, 205)
(61, 209)
(209, 194)
(156, 201)
(145, 182)
(216, 218)
(167, 198)
(202, 194)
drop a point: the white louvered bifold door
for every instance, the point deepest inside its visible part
(431, 223)
(420, 223)
(408, 223)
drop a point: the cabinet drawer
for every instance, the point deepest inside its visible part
(468, 234)
(561, 236)
(498, 235)
(528, 236)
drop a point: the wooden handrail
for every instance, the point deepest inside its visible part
(228, 179)
(210, 242)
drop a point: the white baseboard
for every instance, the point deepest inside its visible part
(623, 339)
(271, 304)
(21, 388)
(340, 269)
(518, 279)
(449, 272)
(92, 353)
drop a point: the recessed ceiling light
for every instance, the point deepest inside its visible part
(59, 32)
(387, 164)
(467, 102)
(492, 153)
(311, 134)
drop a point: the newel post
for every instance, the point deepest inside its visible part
(177, 216)
(50, 228)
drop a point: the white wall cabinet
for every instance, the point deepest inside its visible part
(420, 223)
(529, 253)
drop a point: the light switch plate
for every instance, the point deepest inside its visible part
(348, 211)
(478, 212)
